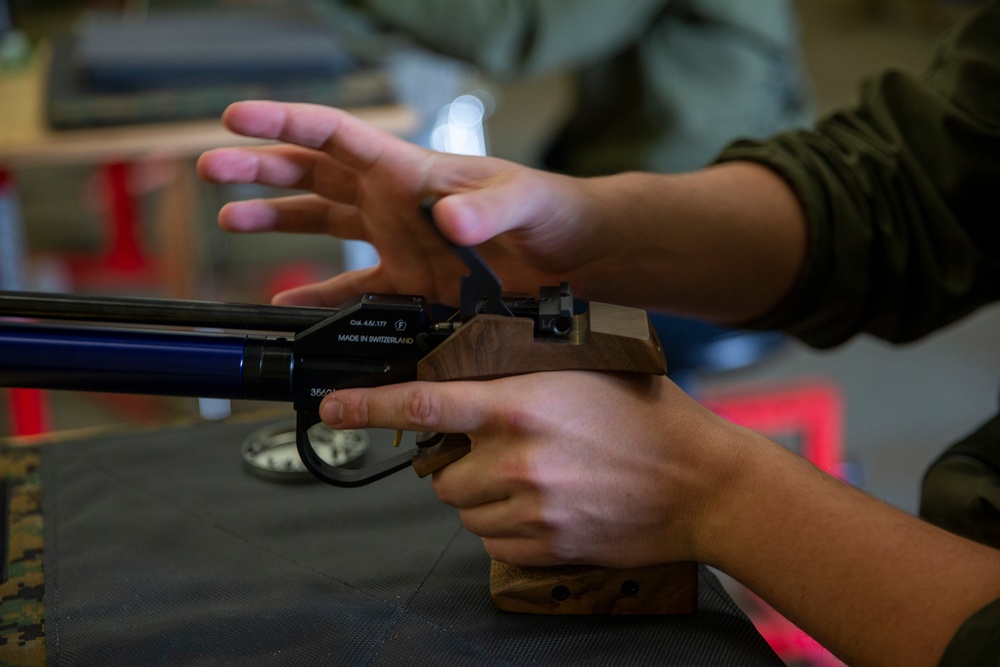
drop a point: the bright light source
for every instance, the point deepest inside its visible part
(459, 127)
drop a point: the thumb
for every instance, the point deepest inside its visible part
(476, 216)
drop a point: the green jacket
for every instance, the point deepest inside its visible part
(662, 85)
(901, 198)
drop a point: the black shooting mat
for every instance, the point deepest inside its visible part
(159, 548)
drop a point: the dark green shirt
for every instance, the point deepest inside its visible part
(902, 199)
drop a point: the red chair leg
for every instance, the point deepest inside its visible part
(28, 411)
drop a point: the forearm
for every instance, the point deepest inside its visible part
(724, 244)
(840, 564)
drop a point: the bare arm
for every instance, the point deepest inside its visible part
(724, 243)
(875, 585)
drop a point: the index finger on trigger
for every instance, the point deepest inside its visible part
(446, 407)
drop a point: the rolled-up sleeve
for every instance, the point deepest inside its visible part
(977, 642)
(902, 198)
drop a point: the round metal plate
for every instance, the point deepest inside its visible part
(270, 452)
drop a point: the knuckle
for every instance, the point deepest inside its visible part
(441, 490)
(423, 408)
(560, 550)
(494, 550)
(468, 519)
(520, 420)
(518, 469)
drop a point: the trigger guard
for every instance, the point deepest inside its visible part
(337, 475)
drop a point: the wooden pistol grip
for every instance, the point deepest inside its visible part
(451, 448)
(606, 338)
(670, 588)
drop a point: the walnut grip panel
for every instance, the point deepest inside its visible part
(670, 588)
(606, 338)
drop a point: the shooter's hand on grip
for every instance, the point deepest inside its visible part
(565, 467)
(605, 338)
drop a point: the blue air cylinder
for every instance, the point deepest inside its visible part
(137, 361)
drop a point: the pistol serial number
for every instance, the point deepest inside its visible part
(316, 392)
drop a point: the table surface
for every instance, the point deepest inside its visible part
(159, 547)
(26, 140)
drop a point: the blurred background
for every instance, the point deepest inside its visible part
(884, 412)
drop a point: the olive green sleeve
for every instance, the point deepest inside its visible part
(519, 37)
(961, 489)
(901, 198)
(977, 642)
(961, 493)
